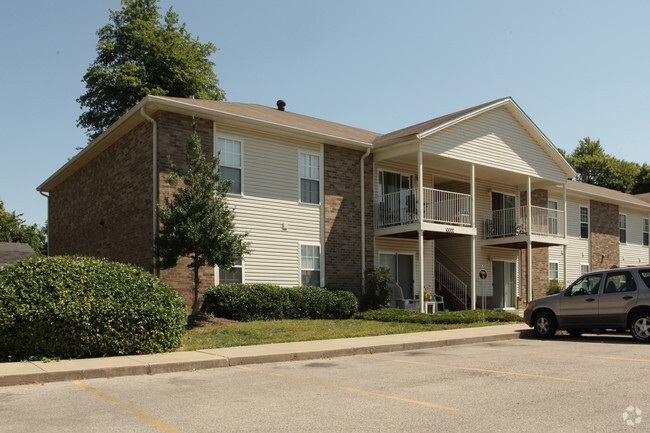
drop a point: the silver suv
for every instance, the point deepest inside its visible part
(616, 298)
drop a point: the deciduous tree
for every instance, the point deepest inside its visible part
(14, 229)
(138, 54)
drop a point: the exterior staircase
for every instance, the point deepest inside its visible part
(452, 287)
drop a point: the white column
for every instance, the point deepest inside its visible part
(420, 202)
(564, 247)
(529, 244)
(472, 191)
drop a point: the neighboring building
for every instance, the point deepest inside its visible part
(482, 188)
(11, 252)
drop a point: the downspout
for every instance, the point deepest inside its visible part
(48, 220)
(363, 221)
(155, 187)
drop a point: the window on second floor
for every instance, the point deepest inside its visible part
(645, 231)
(309, 178)
(553, 217)
(230, 162)
(622, 228)
(584, 222)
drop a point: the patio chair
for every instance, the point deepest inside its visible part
(400, 302)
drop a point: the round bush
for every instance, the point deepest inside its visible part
(75, 307)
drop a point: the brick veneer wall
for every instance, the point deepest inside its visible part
(539, 197)
(173, 133)
(604, 236)
(343, 217)
(105, 209)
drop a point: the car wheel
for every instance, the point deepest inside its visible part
(641, 327)
(575, 332)
(545, 326)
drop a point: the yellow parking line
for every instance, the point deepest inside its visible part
(149, 419)
(569, 355)
(473, 369)
(360, 391)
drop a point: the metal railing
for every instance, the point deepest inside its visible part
(452, 283)
(444, 207)
(514, 221)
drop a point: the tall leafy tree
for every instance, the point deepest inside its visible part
(14, 229)
(141, 53)
(197, 223)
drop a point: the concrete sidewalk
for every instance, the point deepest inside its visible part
(17, 373)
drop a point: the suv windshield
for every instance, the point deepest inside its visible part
(587, 285)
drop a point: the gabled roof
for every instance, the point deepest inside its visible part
(606, 194)
(11, 252)
(420, 128)
(644, 197)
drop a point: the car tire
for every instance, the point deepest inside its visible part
(575, 332)
(544, 325)
(640, 327)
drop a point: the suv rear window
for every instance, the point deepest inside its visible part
(645, 276)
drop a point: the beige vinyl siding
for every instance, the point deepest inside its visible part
(269, 208)
(495, 139)
(634, 252)
(385, 245)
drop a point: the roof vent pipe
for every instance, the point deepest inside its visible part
(281, 104)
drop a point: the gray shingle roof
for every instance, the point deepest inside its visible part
(11, 252)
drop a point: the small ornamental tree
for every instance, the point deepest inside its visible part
(197, 223)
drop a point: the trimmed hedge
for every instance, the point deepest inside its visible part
(441, 317)
(75, 307)
(250, 302)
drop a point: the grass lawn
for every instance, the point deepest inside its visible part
(382, 322)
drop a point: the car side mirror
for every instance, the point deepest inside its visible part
(567, 292)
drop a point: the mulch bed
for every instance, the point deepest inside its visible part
(202, 321)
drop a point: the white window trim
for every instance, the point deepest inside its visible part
(216, 136)
(320, 178)
(588, 222)
(243, 273)
(555, 262)
(625, 228)
(320, 250)
(584, 264)
(645, 229)
(555, 218)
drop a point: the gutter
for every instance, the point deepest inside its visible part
(155, 188)
(48, 219)
(363, 220)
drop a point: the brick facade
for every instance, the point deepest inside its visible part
(343, 217)
(539, 197)
(106, 208)
(173, 133)
(604, 236)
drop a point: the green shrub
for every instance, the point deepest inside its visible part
(554, 287)
(75, 307)
(441, 317)
(250, 302)
(377, 290)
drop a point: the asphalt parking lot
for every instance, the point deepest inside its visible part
(591, 384)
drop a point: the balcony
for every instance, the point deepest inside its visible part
(442, 210)
(545, 226)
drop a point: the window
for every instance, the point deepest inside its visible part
(230, 162)
(586, 285)
(622, 228)
(310, 265)
(646, 241)
(231, 277)
(553, 271)
(619, 282)
(584, 268)
(309, 178)
(584, 222)
(552, 217)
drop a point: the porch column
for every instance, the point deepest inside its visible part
(529, 244)
(565, 238)
(472, 191)
(420, 202)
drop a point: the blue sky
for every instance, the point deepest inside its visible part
(577, 68)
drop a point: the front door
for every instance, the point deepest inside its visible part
(504, 284)
(618, 296)
(400, 267)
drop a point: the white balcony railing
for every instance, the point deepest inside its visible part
(514, 221)
(443, 207)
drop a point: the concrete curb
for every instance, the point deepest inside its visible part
(22, 373)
